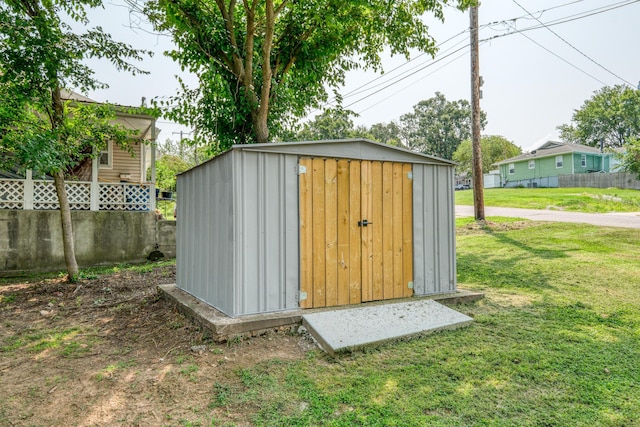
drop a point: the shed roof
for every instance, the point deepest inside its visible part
(549, 149)
(359, 149)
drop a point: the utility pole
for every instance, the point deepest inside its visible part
(478, 184)
(181, 146)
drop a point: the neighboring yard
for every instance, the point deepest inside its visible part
(556, 342)
(569, 199)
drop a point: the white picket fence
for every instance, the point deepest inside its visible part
(30, 194)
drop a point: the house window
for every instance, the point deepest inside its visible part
(532, 164)
(558, 162)
(512, 168)
(583, 161)
(106, 156)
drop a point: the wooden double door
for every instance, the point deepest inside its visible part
(356, 231)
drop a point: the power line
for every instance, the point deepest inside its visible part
(462, 55)
(572, 46)
(539, 12)
(590, 12)
(401, 76)
(569, 18)
(361, 89)
(398, 81)
(562, 59)
(564, 20)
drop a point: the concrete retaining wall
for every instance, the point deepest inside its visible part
(599, 180)
(32, 240)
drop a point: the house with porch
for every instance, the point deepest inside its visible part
(116, 181)
(112, 203)
(541, 167)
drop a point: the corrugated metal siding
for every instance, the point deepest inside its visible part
(205, 233)
(434, 256)
(348, 149)
(238, 231)
(123, 163)
(266, 199)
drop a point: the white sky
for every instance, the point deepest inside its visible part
(527, 92)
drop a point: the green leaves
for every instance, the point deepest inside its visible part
(39, 55)
(630, 158)
(610, 116)
(438, 126)
(167, 167)
(305, 50)
(331, 124)
(494, 149)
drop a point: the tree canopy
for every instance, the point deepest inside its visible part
(494, 149)
(333, 123)
(40, 55)
(630, 158)
(262, 64)
(167, 167)
(387, 133)
(437, 126)
(610, 116)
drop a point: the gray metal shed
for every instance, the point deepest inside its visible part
(282, 226)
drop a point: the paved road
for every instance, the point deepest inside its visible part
(625, 220)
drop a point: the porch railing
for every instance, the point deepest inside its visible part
(29, 194)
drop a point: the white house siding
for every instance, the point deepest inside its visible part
(123, 163)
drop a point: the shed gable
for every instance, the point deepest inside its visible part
(358, 149)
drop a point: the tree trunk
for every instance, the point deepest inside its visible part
(260, 127)
(67, 228)
(63, 200)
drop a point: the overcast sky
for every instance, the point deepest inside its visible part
(533, 79)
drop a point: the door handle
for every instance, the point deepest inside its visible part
(364, 223)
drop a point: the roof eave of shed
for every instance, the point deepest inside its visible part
(299, 147)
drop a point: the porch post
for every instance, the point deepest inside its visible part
(152, 187)
(95, 187)
(28, 191)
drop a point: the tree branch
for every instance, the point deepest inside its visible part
(279, 8)
(229, 20)
(250, 10)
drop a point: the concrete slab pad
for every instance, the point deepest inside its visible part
(349, 329)
(223, 327)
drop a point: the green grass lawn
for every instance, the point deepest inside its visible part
(555, 342)
(570, 199)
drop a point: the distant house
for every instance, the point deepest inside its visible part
(116, 181)
(541, 167)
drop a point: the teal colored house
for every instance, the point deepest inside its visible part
(541, 167)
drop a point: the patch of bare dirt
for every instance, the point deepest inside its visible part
(110, 351)
(477, 226)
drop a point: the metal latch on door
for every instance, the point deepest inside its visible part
(364, 223)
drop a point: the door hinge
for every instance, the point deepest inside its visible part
(301, 169)
(302, 296)
(410, 175)
(410, 285)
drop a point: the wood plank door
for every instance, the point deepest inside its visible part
(356, 231)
